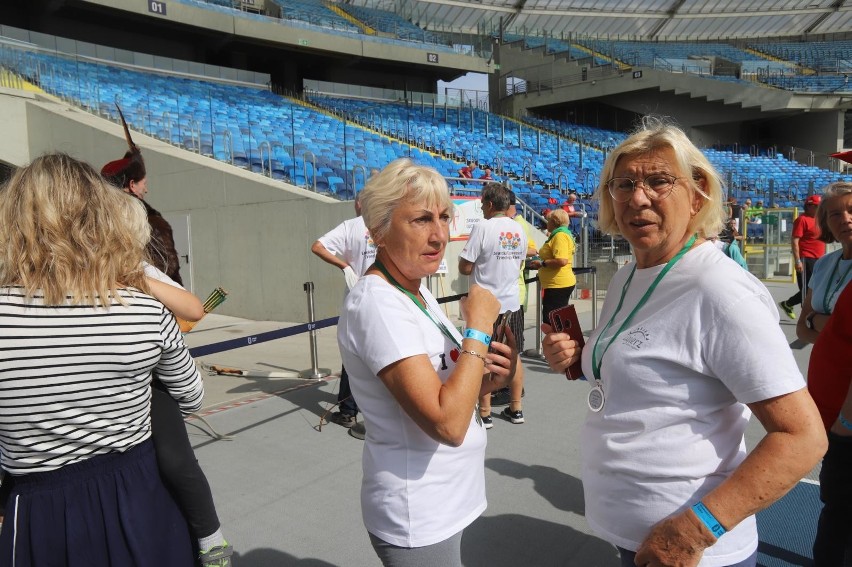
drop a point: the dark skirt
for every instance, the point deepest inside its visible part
(106, 511)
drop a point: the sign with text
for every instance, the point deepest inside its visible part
(467, 211)
(431, 58)
(157, 7)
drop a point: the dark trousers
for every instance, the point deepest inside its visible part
(344, 396)
(554, 298)
(801, 280)
(178, 466)
(833, 543)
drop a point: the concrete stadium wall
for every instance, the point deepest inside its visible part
(248, 234)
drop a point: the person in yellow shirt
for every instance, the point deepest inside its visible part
(555, 267)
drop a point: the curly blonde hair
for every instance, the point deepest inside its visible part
(77, 238)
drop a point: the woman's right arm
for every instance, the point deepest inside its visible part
(443, 410)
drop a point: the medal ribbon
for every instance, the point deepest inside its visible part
(596, 361)
(826, 299)
(416, 301)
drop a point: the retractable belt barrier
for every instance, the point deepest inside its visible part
(313, 326)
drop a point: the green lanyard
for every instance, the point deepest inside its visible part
(416, 301)
(557, 231)
(596, 362)
(826, 299)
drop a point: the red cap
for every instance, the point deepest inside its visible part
(813, 200)
(845, 156)
(116, 167)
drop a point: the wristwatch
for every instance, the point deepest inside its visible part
(809, 320)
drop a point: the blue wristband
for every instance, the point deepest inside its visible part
(477, 336)
(845, 422)
(708, 519)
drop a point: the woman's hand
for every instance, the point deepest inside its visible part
(560, 350)
(480, 309)
(534, 264)
(677, 541)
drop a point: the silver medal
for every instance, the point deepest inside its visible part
(596, 399)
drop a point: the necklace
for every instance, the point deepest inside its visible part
(596, 396)
(826, 299)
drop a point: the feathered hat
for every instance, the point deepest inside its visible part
(131, 167)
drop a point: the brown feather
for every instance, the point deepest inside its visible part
(130, 144)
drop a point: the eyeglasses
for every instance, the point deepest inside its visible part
(656, 186)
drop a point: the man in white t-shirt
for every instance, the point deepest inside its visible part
(349, 247)
(492, 257)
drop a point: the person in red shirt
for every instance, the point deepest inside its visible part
(487, 175)
(807, 249)
(829, 380)
(466, 172)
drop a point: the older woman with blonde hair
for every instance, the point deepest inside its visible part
(75, 376)
(689, 347)
(554, 269)
(828, 373)
(416, 378)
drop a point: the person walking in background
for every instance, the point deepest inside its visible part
(807, 249)
(832, 272)
(688, 349)
(129, 174)
(348, 246)
(502, 396)
(75, 423)
(830, 383)
(417, 378)
(554, 269)
(493, 256)
(175, 457)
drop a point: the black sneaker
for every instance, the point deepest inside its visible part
(358, 431)
(515, 417)
(342, 419)
(502, 397)
(487, 421)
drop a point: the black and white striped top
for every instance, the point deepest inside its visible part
(75, 381)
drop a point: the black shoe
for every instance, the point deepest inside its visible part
(516, 417)
(358, 431)
(502, 397)
(342, 419)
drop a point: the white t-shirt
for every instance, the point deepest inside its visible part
(829, 266)
(676, 381)
(497, 247)
(155, 273)
(351, 241)
(415, 491)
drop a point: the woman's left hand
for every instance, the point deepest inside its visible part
(677, 541)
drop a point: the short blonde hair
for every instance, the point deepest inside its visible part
(560, 216)
(837, 189)
(401, 180)
(654, 134)
(77, 235)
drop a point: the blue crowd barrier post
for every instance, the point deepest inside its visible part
(314, 372)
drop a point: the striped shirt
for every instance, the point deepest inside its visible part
(75, 381)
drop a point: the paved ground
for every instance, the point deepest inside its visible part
(288, 491)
